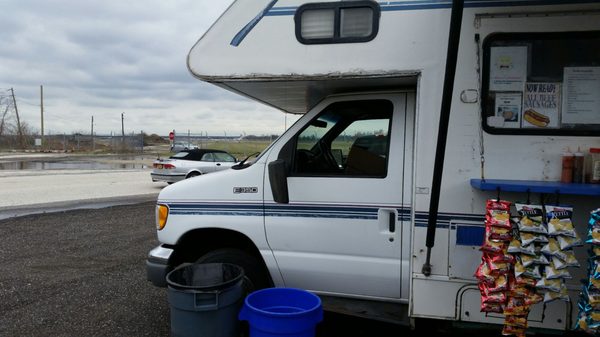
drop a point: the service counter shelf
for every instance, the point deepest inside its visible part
(533, 186)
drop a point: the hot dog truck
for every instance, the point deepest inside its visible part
(414, 113)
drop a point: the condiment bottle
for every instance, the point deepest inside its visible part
(595, 174)
(578, 167)
(567, 167)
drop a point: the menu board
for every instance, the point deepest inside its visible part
(508, 68)
(508, 107)
(581, 91)
(541, 105)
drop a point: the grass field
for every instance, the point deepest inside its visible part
(240, 149)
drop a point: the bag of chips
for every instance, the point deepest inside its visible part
(515, 247)
(593, 236)
(569, 261)
(552, 248)
(498, 219)
(531, 218)
(519, 321)
(534, 298)
(497, 308)
(550, 285)
(493, 246)
(516, 306)
(491, 297)
(528, 260)
(530, 272)
(552, 273)
(509, 330)
(563, 294)
(525, 281)
(566, 242)
(498, 233)
(483, 274)
(559, 220)
(529, 238)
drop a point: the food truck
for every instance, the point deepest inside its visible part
(424, 176)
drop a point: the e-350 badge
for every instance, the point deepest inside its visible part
(238, 190)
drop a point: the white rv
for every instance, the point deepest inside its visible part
(340, 203)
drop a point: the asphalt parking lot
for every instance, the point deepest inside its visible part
(82, 273)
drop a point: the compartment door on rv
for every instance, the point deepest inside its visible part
(346, 227)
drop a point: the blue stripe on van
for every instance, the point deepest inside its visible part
(441, 4)
(314, 211)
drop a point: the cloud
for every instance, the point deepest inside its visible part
(103, 58)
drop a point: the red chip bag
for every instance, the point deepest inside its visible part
(533, 298)
(525, 281)
(483, 274)
(488, 297)
(493, 246)
(493, 204)
(516, 306)
(501, 284)
(497, 266)
(516, 321)
(498, 219)
(500, 258)
(509, 330)
(498, 233)
(492, 307)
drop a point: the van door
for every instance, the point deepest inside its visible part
(346, 227)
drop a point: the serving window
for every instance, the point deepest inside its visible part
(542, 83)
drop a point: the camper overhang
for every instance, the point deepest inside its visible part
(297, 94)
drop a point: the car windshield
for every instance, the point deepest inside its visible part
(180, 155)
(224, 157)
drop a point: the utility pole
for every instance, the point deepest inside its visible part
(122, 131)
(20, 132)
(93, 145)
(42, 112)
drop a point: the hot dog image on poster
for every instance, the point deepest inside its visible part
(541, 105)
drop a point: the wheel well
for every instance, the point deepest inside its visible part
(198, 242)
(193, 172)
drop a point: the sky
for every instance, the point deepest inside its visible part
(103, 58)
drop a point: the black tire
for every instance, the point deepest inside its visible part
(192, 174)
(255, 273)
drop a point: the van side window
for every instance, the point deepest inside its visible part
(346, 139)
(541, 83)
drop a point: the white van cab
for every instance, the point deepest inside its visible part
(345, 202)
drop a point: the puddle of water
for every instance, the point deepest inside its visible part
(70, 164)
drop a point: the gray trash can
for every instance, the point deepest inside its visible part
(205, 299)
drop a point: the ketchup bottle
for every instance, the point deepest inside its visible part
(567, 167)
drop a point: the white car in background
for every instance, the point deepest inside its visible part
(181, 146)
(190, 163)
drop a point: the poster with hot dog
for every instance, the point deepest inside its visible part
(541, 105)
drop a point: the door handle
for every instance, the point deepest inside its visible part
(218, 164)
(392, 222)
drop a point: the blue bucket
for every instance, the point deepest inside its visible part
(278, 312)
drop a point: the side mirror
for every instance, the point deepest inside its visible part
(278, 180)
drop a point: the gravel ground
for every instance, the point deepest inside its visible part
(80, 273)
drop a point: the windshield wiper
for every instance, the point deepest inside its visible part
(242, 164)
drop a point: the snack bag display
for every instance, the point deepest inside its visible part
(559, 220)
(531, 219)
(588, 319)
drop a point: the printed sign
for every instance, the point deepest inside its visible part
(581, 104)
(541, 105)
(508, 68)
(508, 107)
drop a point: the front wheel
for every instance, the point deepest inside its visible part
(255, 274)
